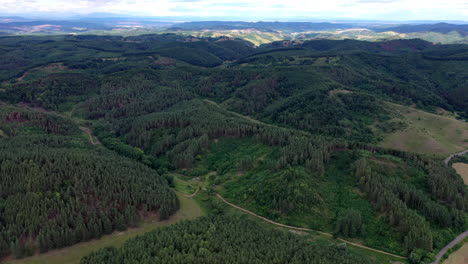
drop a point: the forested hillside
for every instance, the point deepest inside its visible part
(222, 239)
(289, 130)
(57, 189)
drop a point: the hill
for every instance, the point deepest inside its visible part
(227, 239)
(291, 130)
(260, 32)
(426, 133)
(439, 27)
(58, 190)
(262, 26)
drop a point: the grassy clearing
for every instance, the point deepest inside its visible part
(427, 133)
(462, 170)
(458, 257)
(189, 209)
(43, 70)
(185, 187)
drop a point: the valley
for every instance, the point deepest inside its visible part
(342, 141)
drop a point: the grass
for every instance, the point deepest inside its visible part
(189, 209)
(462, 170)
(427, 133)
(185, 187)
(459, 256)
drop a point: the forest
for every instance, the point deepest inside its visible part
(58, 190)
(290, 132)
(222, 239)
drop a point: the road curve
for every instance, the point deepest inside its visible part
(304, 229)
(457, 240)
(447, 160)
(462, 235)
(93, 140)
(189, 195)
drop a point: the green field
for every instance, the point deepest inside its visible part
(427, 133)
(189, 209)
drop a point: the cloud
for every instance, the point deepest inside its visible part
(360, 9)
(377, 1)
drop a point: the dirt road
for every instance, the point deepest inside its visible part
(447, 160)
(92, 139)
(305, 229)
(449, 246)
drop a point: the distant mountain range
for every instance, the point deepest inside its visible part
(260, 32)
(439, 27)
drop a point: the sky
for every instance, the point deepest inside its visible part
(250, 9)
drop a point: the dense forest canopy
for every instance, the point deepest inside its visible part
(289, 130)
(56, 189)
(222, 239)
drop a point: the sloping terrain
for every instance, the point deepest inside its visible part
(289, 131)
(219, 240)
(462, 170)
(58, 190)
(424, 132)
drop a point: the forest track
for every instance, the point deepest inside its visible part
(305, 229)
(248, 118)
(253, 120)
(92, 139)
(447, 160)
(190, 195)
(452, 243)
(463, 235)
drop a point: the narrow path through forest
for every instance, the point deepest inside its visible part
(305, 229)
(92, 139)
(447, 160)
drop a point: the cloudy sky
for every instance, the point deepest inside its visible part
(252, 9)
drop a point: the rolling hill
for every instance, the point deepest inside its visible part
(305, 133)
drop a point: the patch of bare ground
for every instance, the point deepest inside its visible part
(443, 112)
(163, 61)
(262, 157)
(56, 66)
(458, 257)
(339, 91)
(297, 232)
(462, 170)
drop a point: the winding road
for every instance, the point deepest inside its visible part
(457, 240)
(463, 235)
(189, 195)
(447, 160)
(92, 139)
(305, 229)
